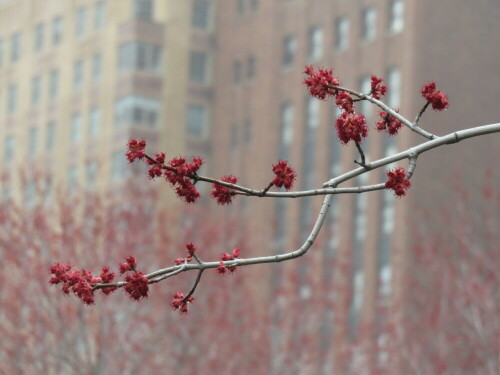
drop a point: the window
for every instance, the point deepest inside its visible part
(394, 87)
(39, 34)
(81, 22)
(396, 16)
(289, 50)
(247, 132)
(198, 67)
(197, 120)
(140, 56)
(9, 149)
(118, 166)
(53, 84)
(286, 125)
(76, 129)
(356, 302)
(91, 175)
(57, 30)
(143, 9)
(385, 278)
(96, 67)
(94, 122)
(360, 218)
(15, 47)
(1, 52)
(254, 4)
(12, 99)
(315, 43)
(241, 7)
(35, 90)
(368, 31)
(30, 194)
(78, 75)
(33, 142)
(72, 178)
(237, 67)
(137, 110)
(341, 34)
(50, 136)
(250, 67)
(100, 15)
(201, 17)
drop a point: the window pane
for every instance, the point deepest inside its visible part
(57, 30)
(10, 145)
(76, 128)
(369, 24)
(201, 14)
(197, 120)
(289, 50)
(341, 34)
(50, 139)
(198, 67)
(137, 110)
(33, 142)
(100, 15)
(12, 99)
(35, 90)
(2, 49)
(397, 9)
(95, 122)
(78, 75)
(53, 83)
(315, 43)
(96, 67)
(81, 22)
(39, 34)
(15, 47)
(143, 9)
(140, 56)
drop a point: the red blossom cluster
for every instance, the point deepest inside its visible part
(389, 123)
(223, 194)
(129, 265)
(378, 90)
(344, 101)
(398, 182)
(178, 177)
(80, 282)
(137, 286)
(180, 302)
(351, 127)
(437, 99)
(191, 249)
(135, 149)
(320, 83)
(285, 175)
(227, 257)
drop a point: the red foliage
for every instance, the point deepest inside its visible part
(437, 99)
(223, 194)
(398, 182)
(351, 127)
(320, 83)
(285, 175)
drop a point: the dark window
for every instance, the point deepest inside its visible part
(143, 9)
(201, 14)
(198, 67)
(289, 50)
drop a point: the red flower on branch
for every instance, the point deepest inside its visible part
(135, 149)
(320, 83)
(398, 182)
(285, 175)
(157, 165)
(180, 303)
(137, 286)
(222, 194)
(389, 123)
(437, 99)
(129, 265)
(377, 90)
(344, 101)
(79, 282)
(351, 127)
(107, 276)
(179, 177)
(221, 268)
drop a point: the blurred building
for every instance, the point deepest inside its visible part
(79, 78)
(263, 113)
(223, 79)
